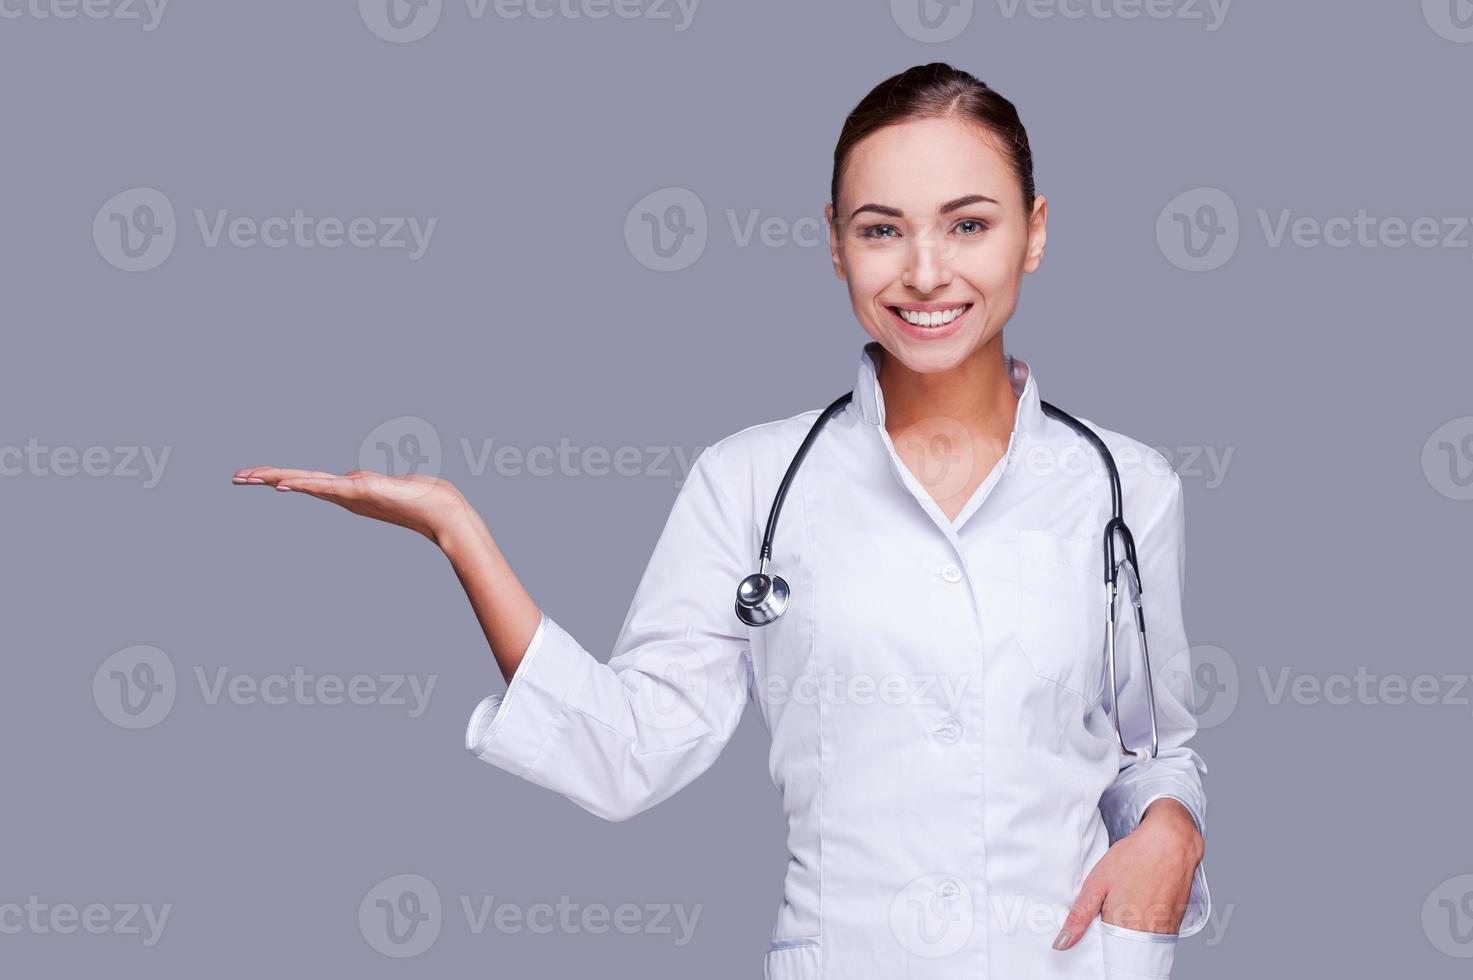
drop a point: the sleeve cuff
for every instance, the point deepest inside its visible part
(1199, 904)
(510, 730)
(1123, 814)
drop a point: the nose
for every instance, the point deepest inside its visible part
(928, 263)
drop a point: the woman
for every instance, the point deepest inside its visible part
(936, 690)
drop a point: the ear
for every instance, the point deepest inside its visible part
(828, 217)
(1037, 234)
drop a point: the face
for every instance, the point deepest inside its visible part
(930, 223)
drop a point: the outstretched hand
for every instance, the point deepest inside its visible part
(421, 503)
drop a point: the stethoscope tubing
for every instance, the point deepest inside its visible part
(761, 599)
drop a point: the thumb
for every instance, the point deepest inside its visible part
(1086, 906)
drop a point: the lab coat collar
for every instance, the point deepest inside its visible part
(871, 400)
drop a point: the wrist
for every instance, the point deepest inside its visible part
(458, 530)
(1170, 816)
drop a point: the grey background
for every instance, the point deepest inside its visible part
(1326, 546)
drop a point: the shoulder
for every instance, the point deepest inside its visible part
(1149, 483)
(751, 461)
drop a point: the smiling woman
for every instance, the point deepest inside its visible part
(959, 794)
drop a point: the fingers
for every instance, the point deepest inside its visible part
(337, 489)
(1086, 906)
(272, 475)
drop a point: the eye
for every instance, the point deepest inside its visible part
(979, 226)
(875, 231)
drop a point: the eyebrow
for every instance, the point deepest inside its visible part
(960, 202)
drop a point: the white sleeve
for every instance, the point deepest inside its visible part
(617, 738)
(1177, 770)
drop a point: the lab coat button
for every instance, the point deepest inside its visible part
(948, 732)
(951, 573)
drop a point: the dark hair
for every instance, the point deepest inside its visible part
(938, 90)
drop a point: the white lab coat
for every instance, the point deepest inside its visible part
(936, 692)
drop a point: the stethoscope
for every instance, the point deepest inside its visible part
(762, 598)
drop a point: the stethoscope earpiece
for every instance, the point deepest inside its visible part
(761, 598)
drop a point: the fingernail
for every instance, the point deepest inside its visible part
(283, 486)
(1062, 939)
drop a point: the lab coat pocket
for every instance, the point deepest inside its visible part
(1131, 954)
(1061, 612)
(792, 959)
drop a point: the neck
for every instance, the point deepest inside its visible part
(977, 393)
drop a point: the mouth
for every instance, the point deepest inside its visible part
(930, 323)
(930, 318)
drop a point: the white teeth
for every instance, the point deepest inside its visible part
(938, 319)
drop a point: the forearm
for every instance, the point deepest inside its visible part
(505, 610)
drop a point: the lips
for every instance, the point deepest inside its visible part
(930, 315)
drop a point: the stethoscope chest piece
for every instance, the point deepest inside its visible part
(761, 598)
